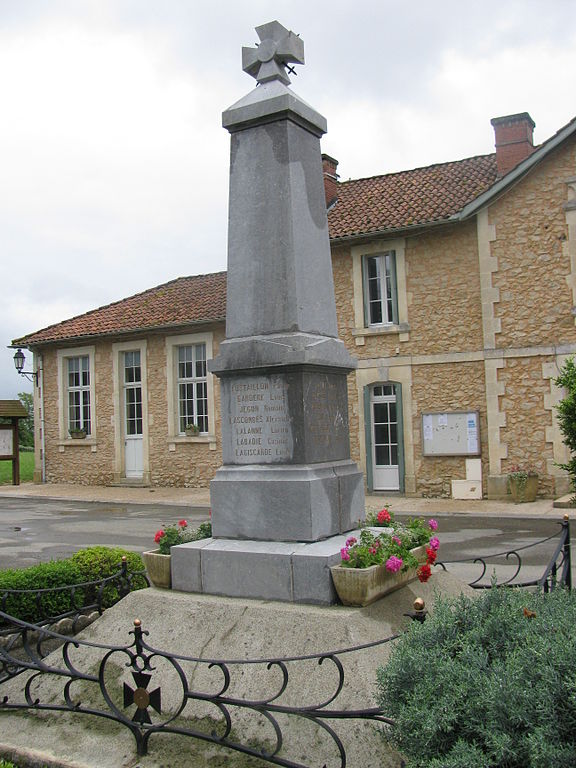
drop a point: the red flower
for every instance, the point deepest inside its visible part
(424, 572)
(182, 523)
(431, 555)
(158, 536)
(383, 516)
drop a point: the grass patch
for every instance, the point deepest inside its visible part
(26, 474)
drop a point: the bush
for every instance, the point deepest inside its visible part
(486, 682)
(90, 564)
(97, 563)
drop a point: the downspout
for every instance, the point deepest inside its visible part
(40, 393)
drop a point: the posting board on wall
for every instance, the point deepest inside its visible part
(451, 433)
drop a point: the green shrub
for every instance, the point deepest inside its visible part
(90, 564)
(95, 563)
(486, 683)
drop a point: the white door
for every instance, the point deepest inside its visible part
(133, 445)
(383, 406)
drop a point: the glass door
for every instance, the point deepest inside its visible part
(384, 412)
(133, 442)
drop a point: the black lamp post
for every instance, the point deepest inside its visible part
(19, 361)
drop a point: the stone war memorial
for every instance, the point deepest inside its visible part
(287, 491)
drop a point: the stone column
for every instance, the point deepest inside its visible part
(287, 473)
(287, 491)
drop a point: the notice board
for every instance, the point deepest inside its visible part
(451, 433)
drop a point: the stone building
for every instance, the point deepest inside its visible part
(455, 289)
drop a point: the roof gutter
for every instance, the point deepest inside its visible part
(386, 233)
(16, 343)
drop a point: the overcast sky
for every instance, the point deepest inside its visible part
(113, 161)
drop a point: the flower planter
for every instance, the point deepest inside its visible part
(362, 586)
(158, 567)
(78, 435)
(523, 489)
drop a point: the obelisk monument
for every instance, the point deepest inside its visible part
(287, 490)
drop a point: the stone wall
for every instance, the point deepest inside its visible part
(172, 460)
(438, 388)
(533, 276)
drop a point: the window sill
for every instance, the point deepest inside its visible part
(184, 440)
(78, 441)
(402, 329)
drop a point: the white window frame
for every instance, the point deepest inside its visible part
(173, 344)
(400, 324)
(196, 382)
(386, 304)
(63, 356)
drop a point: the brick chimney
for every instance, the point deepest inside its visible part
(329, 166)
(513, 139)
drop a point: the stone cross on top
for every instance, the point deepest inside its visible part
(278, 47)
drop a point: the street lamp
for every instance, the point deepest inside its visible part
(19, 361)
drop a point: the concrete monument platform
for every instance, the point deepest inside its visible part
(220, 628)
(288, 571)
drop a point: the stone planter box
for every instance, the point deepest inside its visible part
(523, 491)
(78, 435)
(362, 586)
(158, 568)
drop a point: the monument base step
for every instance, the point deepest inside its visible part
(267, 570)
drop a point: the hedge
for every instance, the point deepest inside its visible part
(92, 564)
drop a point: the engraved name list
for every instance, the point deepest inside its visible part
(259, 419)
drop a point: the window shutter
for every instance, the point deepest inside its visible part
(365, 297)
(394, 285)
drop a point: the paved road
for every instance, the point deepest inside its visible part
(37, 530)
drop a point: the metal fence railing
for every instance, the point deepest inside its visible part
(505, 568)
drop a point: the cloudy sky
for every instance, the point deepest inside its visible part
(113, 162)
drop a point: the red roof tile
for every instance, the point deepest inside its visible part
(409, 198)
(187, 300)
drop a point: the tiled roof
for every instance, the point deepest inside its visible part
(409, 198)
(187, 300)
(377, 204)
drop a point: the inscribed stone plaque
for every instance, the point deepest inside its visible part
(6, 442)
(260, 431)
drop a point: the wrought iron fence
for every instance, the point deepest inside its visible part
(557, 572)
(66, 609)
(150, 691)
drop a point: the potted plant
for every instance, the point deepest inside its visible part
(191, 430)
(157, 561)
(522, 483)
(376, 564)
(77, 433)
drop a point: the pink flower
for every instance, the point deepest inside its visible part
(433, 525)
(182, 523)
(396, 540)
(383, 516)
(352, 540)
(393, 564)
(158, 536)
(434, 542)
(372, 550)
(344, 554)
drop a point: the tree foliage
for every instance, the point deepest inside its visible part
(26, 426)
(566, 410)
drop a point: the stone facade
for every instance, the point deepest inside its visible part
(484, 323)
(169, 459)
